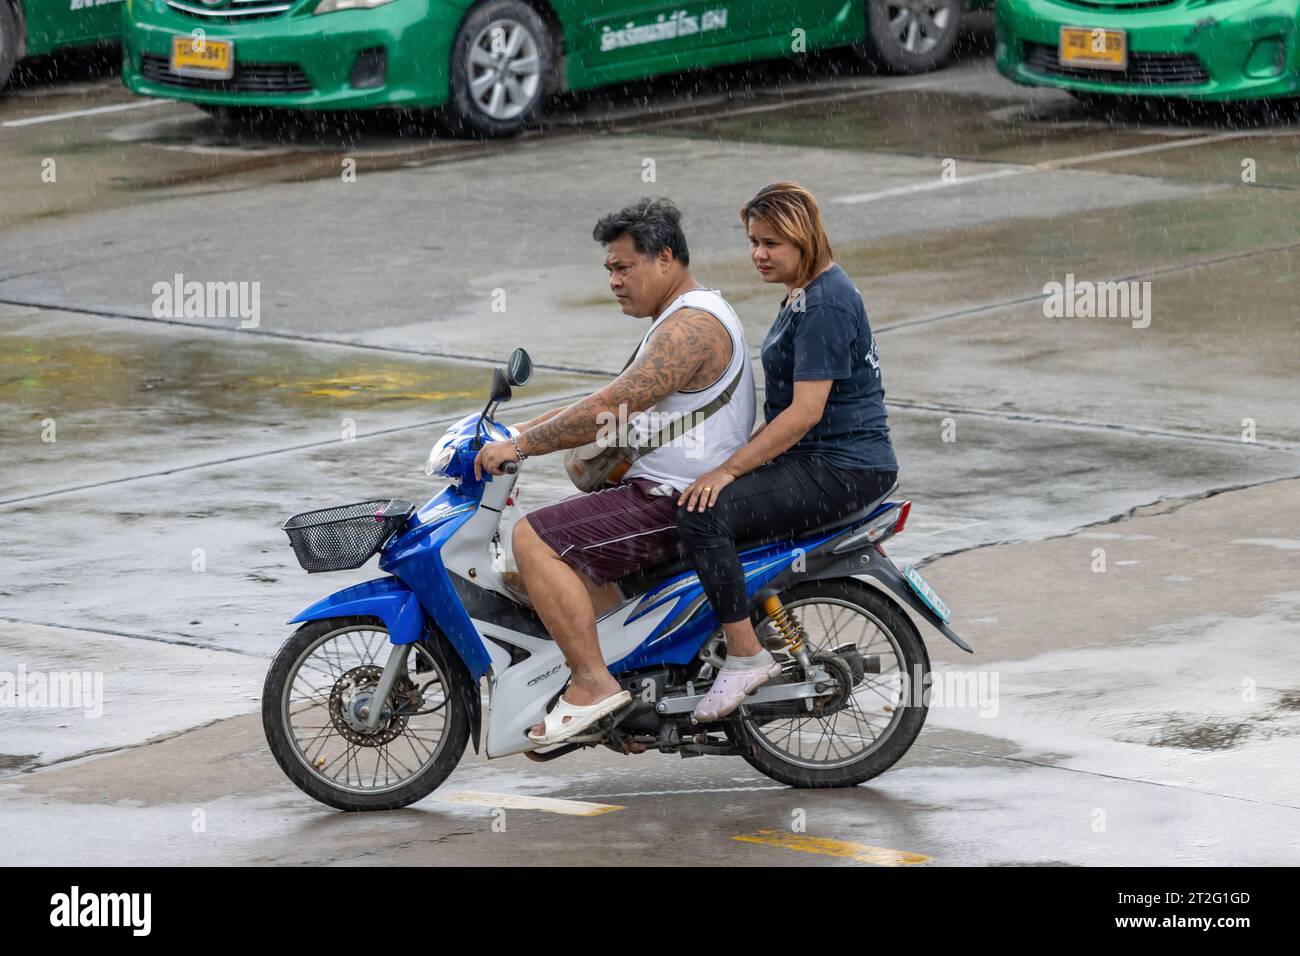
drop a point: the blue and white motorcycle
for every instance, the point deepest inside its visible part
(370, 703)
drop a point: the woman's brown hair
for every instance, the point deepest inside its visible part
(791, 210)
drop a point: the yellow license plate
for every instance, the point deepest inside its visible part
(213, 59)
(1094, 47)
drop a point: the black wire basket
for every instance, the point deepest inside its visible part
(337, 539)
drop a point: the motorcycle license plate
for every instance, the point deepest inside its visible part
(1096, 48)
(210, 59)
(926, 593)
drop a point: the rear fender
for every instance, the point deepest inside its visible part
(871, 563)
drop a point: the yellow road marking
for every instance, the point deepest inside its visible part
(861, 852)
(521, 801)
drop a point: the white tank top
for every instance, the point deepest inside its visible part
(711, 442)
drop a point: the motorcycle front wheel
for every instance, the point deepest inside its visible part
(317, 686)
(875, 714)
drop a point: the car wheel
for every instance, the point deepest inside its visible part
(501, 63)
(8, 41)
(911, 36)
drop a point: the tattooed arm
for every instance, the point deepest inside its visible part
(545, 416)
(691, 349)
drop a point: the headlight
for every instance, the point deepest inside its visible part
(439, 460)
(333, 6)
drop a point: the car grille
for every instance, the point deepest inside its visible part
(248, 78)
(1144, 69)
(230, 9)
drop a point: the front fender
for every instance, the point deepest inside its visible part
(385, 598)
(397, 606)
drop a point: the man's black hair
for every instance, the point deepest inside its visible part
(651, 224)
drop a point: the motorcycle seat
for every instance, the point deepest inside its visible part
(645, 579)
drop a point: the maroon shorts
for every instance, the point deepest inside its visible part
(610, 533)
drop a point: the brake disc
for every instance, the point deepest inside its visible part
(351, 692)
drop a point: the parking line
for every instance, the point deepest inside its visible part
(858, 852)
(782, 105)
(1053, 164)
(73, 114)
(522, 801)
(1157, 148)
(930, 184)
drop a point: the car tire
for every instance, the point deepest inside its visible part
(8, 41)
(901, 39)
(482, 106)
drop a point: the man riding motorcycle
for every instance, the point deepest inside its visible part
(693, 356)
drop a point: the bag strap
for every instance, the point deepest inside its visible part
(678, 427)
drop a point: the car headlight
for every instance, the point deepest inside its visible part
(333, 6)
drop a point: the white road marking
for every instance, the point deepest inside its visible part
(73, 114)
(783, 105)
(1152, 148)
(522, 801)
(1053, 164)
(931, 185)
(1282, 544)
(930, 525)
(663, 793)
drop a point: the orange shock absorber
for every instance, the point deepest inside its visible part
(790, 629)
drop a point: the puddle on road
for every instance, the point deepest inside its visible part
(1233, 324)
(199, 379)
(936, 271)
(1176, 692)
(148, 399)
(123, 159)
(1274, 161)
(1175, 730)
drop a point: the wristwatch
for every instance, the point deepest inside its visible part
(514, 440)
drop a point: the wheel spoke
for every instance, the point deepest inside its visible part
(498, 94)
(517, 95)
(524, 64)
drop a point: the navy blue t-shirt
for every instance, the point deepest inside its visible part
(830, 339)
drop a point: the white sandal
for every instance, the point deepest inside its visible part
(580, 717)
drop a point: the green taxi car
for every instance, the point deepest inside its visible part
(32, 27)
(1194, 49)
(490, 64)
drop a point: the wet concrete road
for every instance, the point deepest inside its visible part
(1021, 436)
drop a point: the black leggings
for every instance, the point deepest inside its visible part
(788, 495)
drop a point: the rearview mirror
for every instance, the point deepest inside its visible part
(500, 386)
(520, 368)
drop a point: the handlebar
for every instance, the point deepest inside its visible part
(510, 467)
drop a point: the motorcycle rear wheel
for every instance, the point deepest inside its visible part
(876, 723)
